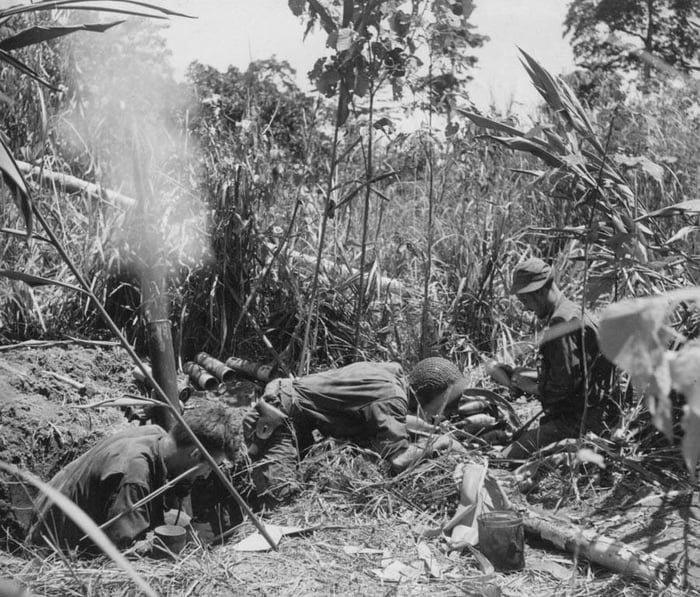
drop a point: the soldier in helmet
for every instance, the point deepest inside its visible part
(365, 402)
(573, 377)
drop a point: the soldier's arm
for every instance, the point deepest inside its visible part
(132, 522)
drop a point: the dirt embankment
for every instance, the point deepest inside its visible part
(41, 425)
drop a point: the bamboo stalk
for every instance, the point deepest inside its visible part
(604, 551)
(156, 387)
(72, 184)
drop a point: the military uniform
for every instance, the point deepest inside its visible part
(105, 481)
(364, 402)
(565, 361)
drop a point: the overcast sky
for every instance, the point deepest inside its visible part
(234, 32)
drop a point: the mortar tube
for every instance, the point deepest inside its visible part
(215, 367)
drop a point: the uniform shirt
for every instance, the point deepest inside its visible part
(105, 481)
(562, 374)
(366, 401)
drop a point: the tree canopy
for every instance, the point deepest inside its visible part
(613, 34)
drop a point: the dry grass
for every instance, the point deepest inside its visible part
(350, 505)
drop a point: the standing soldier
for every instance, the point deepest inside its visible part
(573, 375)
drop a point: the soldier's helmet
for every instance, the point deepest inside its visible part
(431, 378)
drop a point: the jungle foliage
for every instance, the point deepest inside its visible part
(311, 231)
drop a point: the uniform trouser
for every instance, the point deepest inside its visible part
(552, 429)
(274, 460)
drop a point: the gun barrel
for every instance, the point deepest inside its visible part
(199, 377)
(215, 367)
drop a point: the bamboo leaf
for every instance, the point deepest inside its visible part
(27, 70)
(535, 173)
(684, 207)
(33, 281)
(543, 81)
(15, 181)
(121, 402)
(530, 146)
(487, 123)
(352, 193)
(84, 522)
(682, 234)
(98, 5)
(35, 35)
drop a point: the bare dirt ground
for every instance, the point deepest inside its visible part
(360, 520)
(42, 426)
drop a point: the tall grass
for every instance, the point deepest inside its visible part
(256, 151)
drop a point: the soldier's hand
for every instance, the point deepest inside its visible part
(143, 547)
(524, 383)
(444, 443)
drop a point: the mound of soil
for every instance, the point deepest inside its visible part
(42, 424)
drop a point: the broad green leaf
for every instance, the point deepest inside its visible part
(651, 168)
(685, 374)
(15, 181)
(35, 35)
(297, 7)
(632, 337)
(630, 332)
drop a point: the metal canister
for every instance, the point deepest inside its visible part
(215, 367)
(199, 377)
(255, 370)
(502, 539)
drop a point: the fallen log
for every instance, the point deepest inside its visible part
(604, 551)
(72, 184)
(391, 286)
